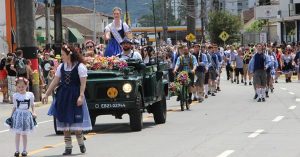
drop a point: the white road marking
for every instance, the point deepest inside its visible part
(277, 119)
(283, 88)
(47, 121)
(292, 93)
(226, 153)
(292, 107)
(3, 131)
(298, 100)
(256, 133)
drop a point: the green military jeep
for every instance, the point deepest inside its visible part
(134, 90)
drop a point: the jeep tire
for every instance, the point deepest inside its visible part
(93, 119)
(136, 115)
(159, 110)
(55, 129)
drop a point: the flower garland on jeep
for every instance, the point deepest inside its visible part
(100, 63)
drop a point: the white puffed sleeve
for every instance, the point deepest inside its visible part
(58, 73)
(126, 27)
(107, 28)
(82, 70)
(31, 99)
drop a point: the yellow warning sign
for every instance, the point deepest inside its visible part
(224, 36)
(191, 37)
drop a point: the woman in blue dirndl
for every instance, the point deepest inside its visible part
(69, 107)
(115, 33)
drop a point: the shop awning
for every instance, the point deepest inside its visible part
(75, 36)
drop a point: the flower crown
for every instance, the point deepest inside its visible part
(21, 79)
(68, 49)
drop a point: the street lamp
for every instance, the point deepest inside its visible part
(154, 22)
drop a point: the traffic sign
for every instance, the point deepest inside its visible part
(191, 37)
(224, 36)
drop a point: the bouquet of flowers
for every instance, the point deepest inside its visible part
(174, 88)
(99, 63)
(183, 78)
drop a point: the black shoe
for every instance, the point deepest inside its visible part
(267, 94)
(82, 149)
(195, 99)
(24, 153)
(218, 89)
(237, 82)
(272, 90)
(245, 83)
(255, 96)
(213, 94)
(228, 78)
(17, 153)
(178, 98)
(242, 81)
(206, 96)
(67, 151)
(286, 80)
(250, 83)
(259, 100)
(200, 100)
(234, 80)
(231, 81)
(209, 93)
(263, 99)
(276, 81)
(189, 101)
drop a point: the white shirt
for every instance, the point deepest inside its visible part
(131, 55)
(22, 97)
(82, 70)
(125, 26)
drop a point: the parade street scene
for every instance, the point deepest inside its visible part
(150, 78)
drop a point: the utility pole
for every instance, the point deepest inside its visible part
(155, 32)
(203, 16)
(47, 17)
(26, 39)
(165, 20)
(94, 32)
(191, 22)
(57, 27)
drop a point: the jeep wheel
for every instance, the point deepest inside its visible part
(55, 129)
(159, 111)
(93, 120)
(136, 116)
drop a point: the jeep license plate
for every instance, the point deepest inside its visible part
(105, 106)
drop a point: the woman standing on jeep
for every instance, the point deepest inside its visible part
(69, 107)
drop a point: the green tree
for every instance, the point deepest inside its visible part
(147, 20)
(223, 21)
(257, 26)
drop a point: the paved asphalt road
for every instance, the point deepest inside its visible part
(230, 124)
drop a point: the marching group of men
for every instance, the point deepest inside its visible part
(254, 65)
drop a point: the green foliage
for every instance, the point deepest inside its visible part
(147, 20)
(257, 26)
(224, 21)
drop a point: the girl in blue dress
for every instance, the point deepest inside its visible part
(69, 107)
(115, 33)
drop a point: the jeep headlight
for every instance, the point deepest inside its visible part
(127, 88)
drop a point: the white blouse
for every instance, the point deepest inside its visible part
(125, 26)
(22, 97)
(82, 70)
